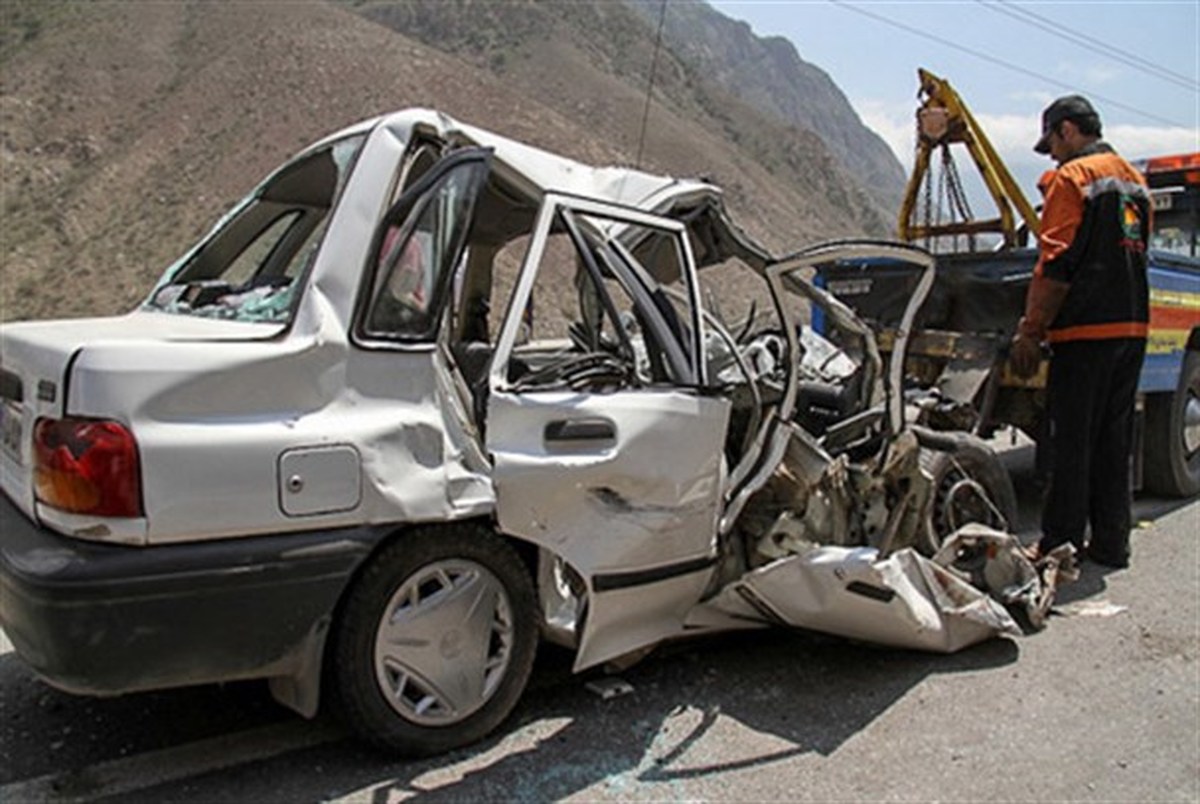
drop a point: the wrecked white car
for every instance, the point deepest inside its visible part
(428, 396)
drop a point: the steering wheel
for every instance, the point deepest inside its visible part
(579, 372)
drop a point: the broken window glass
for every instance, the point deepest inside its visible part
(422, 241)
(250, 267)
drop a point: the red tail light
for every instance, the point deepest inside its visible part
(87, 466)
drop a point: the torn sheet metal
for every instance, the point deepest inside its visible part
(961, 596)
(994, 561)
(640, 530)
(904, 600)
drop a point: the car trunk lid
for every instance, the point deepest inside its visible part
(35, 365)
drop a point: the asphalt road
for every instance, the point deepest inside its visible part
(1103, 705)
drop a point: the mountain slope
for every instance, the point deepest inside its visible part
(594, 60)
(126, 129)
(769, 75)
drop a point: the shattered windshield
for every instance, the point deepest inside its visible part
(250, 268)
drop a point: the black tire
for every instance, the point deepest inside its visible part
(1171, 449)
(463, 666)
(959, 478)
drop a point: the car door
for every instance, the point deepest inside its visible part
(607, 448)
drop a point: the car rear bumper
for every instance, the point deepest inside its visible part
(105, 619)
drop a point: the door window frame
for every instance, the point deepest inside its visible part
(407, 211)
(553, 205)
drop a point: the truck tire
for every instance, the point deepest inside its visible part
(435, 642)
(970, 484)
(1171, 448)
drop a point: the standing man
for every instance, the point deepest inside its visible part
(1089, 302)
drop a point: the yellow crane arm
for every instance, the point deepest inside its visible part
(943, 119)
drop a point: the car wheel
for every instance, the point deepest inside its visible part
(970, 484)
(436, 641)
(1172, 435)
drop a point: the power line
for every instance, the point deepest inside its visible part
(662, 16)
(1001, 62)
(1021, 14)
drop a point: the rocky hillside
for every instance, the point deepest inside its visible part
(769, 75)
(712, 74)
(127, 128)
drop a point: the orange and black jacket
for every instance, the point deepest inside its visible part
(1095, 230)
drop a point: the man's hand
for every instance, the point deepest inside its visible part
(1025, 355)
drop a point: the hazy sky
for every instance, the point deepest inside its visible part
(1138, 62)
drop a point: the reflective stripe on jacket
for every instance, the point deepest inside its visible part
(1095, 230)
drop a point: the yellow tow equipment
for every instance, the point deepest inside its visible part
(943, 119)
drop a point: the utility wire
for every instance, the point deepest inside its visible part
(1001, 62)
(662, 16)
(1021, 14)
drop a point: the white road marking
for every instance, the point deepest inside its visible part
(6, 645)
(139, 772)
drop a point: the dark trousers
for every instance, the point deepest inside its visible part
(1091, 395)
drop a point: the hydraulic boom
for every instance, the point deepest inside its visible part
(942, 120)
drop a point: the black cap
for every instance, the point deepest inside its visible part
(1068, 107)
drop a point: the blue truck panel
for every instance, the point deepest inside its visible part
(984, 292)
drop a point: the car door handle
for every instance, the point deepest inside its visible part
(595, 429)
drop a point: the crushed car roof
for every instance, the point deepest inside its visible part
(538, 172)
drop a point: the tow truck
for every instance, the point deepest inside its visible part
(983, 269)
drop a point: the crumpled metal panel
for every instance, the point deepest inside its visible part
(646, 499)
(633, 514)
(904, 600)
(994, 561)
(625, 621)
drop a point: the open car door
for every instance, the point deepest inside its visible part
(608, 451)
